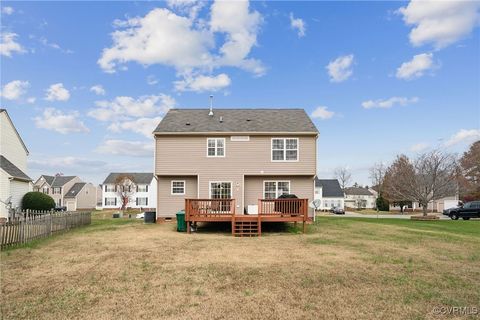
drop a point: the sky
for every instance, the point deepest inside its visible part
(87, 82)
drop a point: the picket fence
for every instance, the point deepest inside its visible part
(33, 225)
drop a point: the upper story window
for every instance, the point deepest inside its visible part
(57, 190)
(285, 149)
(216, 147)
(109, 188)
(45, 190)
(142, 188)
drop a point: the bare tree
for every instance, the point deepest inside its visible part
(343, 175)
(377, 176)
(125, 187)
(431, 176)
(469, 174)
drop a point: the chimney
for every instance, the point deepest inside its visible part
(211, 106)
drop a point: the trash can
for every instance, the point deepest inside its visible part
(181, 224)
(149, 217)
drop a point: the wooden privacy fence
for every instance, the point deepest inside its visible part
(33, 225)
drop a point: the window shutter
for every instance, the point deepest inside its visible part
(137, 187)
(136, 201)
(115, 201)
(146, 187)
(105, 201)
(115, 188)
(105, 188)
(146, 201)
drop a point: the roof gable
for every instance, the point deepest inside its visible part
(330, 188)
(15, 129)
(13, 170)
(75, 190)
(138, 177)
(236, 120)
(358, 191)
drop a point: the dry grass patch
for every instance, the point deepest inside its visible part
(343, 268)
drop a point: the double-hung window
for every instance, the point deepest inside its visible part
(142, 188)
(178, 188)
(285, 149)
(110, 201)
(109, 188)
(216, 147)
(274, 189)
(142, 201)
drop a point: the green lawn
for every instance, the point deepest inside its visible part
(344, 268)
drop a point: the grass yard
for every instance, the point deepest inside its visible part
(343, 268)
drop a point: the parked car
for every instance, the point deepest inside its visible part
(60, 208)
(465, 211)
(337, 210)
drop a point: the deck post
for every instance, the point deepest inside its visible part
(233, 224)
(259, 225)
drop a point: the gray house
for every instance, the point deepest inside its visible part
(329, 194)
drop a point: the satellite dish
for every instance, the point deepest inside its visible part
(315, 204)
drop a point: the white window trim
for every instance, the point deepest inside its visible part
(276, 187)
(184, 188)
(285, 149)
(210, 188)
(224, 148)
(240, 138)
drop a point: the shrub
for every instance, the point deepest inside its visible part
(383, 204)
(37, 201)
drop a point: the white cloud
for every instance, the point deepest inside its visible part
(68, 163)
(190, 7)
(126, 108)
(56, 120)
(98, 90)
(298, 24)
(14, 90)
(8, 45)
(203, 83)
(151, 80)
(31, 100)
(57, 92)
(8, 10)
(440, 22)
(463, 136)
(44, 41)
(144, 126)
(419, 147)
(185, 42)
(126, 148)
(322, 113)
(416, 67)
(340, 69)
(388, 103)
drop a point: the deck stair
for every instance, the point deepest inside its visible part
(246, 226)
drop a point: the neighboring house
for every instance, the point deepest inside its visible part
(434, 206)
(240, 154)
(329, 194)
(14, 181)
(67, 191)
(359, 198)
(145, 195)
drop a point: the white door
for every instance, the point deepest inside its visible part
(71, 206)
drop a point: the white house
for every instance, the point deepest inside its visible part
(359, 198)
(14, 182)
(145, 195)
(328, 194)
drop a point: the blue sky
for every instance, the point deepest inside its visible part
(85, 83)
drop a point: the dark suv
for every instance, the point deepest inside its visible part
(466, 211)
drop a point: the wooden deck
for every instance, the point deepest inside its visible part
(223, 210)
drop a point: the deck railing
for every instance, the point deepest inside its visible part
(283, 207)
(209, 207)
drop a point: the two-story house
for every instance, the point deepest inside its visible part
(14, 181)
(329, 194)
(359, 198)
(144, 196)
(67, 191)
(239, 154)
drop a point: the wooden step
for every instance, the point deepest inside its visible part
(243, 228)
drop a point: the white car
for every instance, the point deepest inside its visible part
(140, 215)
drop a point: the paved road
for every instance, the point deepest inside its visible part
(374, 216)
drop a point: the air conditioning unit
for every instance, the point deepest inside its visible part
(252, 209)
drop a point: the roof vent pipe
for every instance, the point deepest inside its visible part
(211, 106)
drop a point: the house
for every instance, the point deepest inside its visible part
(247, 156)
(359, 198)
(144, 195)
(328, 194)
(67, 191)
(14, 181)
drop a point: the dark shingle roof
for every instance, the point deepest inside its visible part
(236, 120)
(13, 170)
(57, 181)
(74, 190)
(357, 191)
(138, 177)
(330, 188)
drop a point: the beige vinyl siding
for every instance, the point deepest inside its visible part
(167, 204)
(87, 198)
(10, 144)
(187, 155)
(301, 186)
